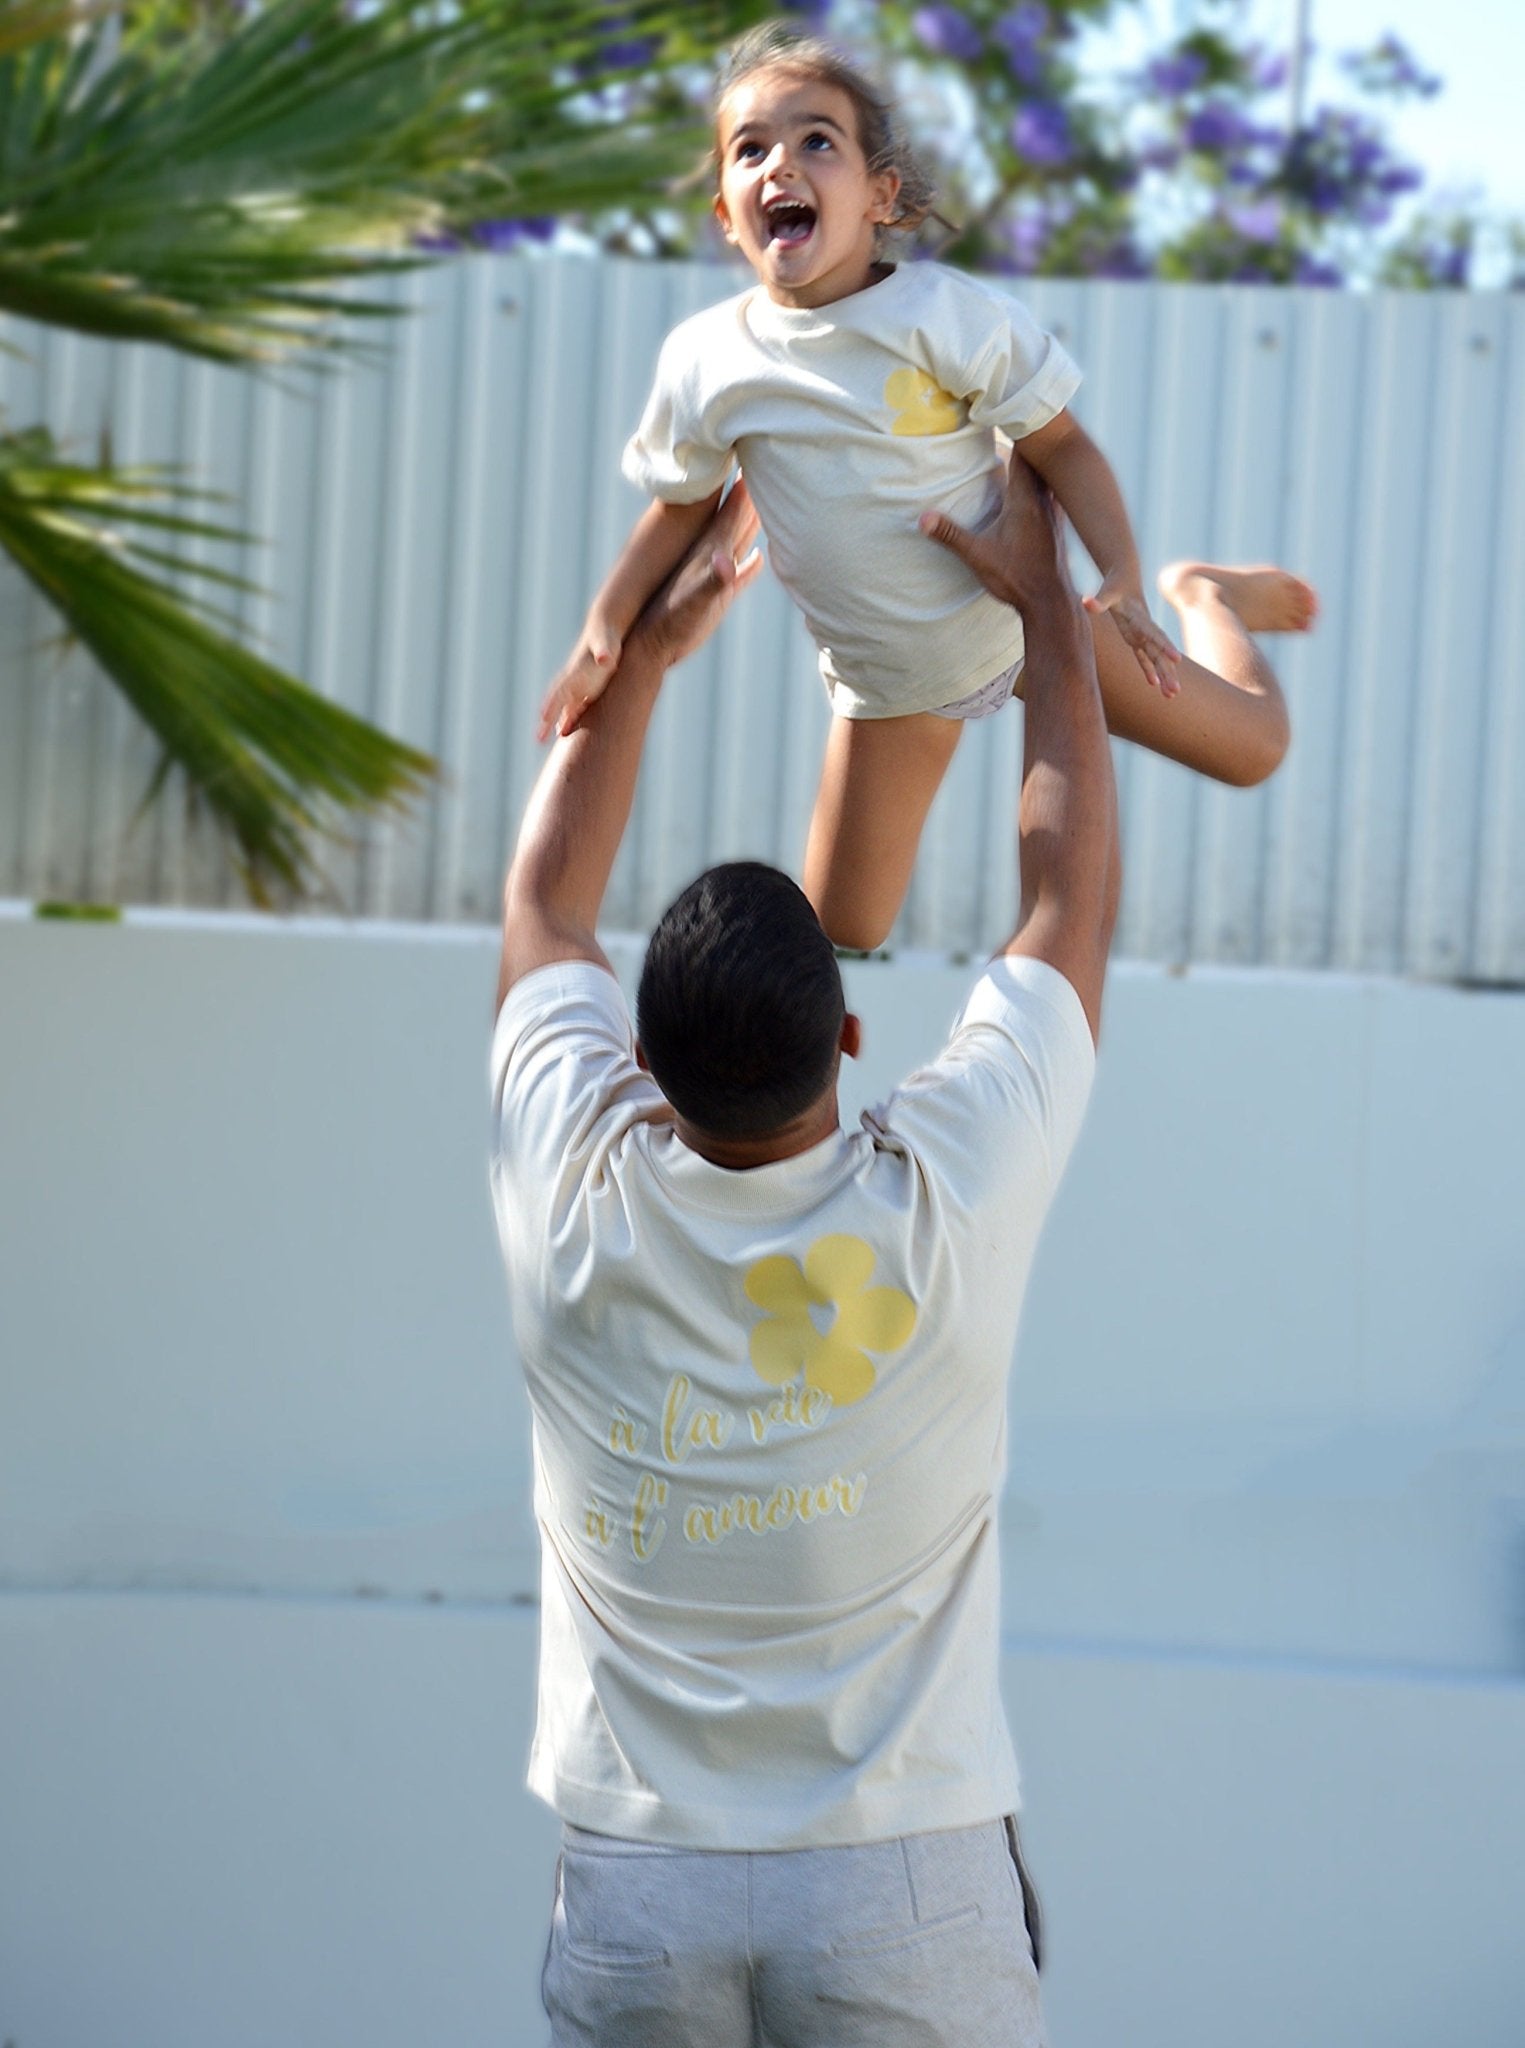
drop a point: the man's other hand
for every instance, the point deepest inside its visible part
(1020, 556)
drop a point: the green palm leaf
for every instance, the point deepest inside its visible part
(275, 763)
(220, 190)
(222, 180)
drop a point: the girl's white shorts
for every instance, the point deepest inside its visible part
(987, 698)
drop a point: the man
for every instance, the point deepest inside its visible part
(767, 1362)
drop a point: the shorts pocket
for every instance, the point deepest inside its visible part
(609, 1920)
(886, 1941)
(592, 1957)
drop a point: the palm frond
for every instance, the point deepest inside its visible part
(276, 764)
(223, 190)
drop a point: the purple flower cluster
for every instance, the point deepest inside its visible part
(1177, 73)
(1020, 34)
(1118, 258)
(1041, 229)
(1040, 133)
(1390, 67)
(1258, 221)
(619, 52)
(948, 32)
(502, 236)
(1218, 126)
(1340, 161)
(1026, 237)
(1447, 264)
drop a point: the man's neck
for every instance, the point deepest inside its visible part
(821, 1120)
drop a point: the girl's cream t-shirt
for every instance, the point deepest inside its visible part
(849, 421)
(769, 1424)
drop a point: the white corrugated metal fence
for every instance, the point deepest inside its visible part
(435, 524)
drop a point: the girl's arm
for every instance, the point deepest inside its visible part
(662, 536)
(1081, 478)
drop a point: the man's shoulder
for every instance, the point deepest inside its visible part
(561, 989)
(1019, 1058)
(567, 1090)
(1031, 995)
(554, 1013)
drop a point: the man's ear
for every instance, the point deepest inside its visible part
(851, 1040)
(640, 1058)
(723, 215)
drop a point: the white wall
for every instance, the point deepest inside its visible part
(266, 1570)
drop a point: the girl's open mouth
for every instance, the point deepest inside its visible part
(790, 223)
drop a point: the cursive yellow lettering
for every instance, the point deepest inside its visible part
(626, 1437)
(682, 1432)
(780, 1509)
(672, 1413)
(795, 1408)
(711, 1521)
(646, 1535)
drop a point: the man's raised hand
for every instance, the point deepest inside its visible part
(699, 593)
(1019, 557)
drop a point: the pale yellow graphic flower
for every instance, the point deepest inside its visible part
(835, 1359)
(921, 404)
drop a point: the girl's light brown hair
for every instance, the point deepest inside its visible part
(779, 46)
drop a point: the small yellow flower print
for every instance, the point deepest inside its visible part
(921, 404)
(835, 1276)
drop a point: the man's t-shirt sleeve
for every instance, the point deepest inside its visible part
(996, 1115)
(566, 1090)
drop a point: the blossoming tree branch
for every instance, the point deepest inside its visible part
(1202, 158)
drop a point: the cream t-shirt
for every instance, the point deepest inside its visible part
(769, 1424)
(849, 420)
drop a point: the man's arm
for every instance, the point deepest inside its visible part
(661, 538)
(580, 804)
(1071, 871)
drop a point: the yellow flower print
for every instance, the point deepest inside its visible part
(835, 1276)
(921, 404)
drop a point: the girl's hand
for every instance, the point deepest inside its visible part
(582, 679)
(1157, 655)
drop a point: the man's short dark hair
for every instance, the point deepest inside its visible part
(740, 1006)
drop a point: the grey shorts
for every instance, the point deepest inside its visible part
(925, 1942)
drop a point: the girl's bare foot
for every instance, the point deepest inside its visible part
(1263, 598)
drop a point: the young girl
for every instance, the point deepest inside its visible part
(854, 395)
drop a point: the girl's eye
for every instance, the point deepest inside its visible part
(818, 141)
(745, 151)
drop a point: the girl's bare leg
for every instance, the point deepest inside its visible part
(877, 784)
(1230, 719)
